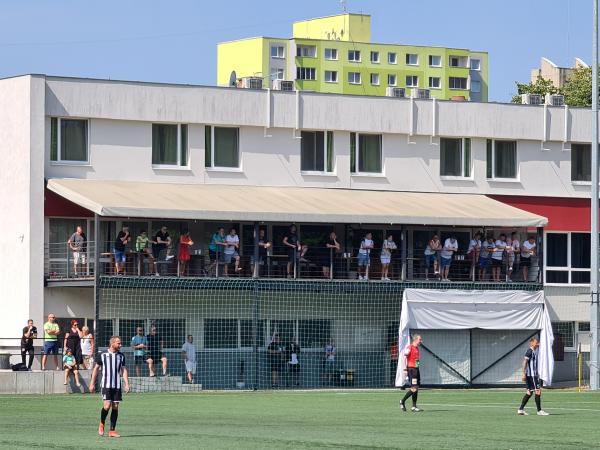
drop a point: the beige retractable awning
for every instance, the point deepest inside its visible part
(288, 204)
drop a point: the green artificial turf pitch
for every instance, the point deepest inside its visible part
(315, 419)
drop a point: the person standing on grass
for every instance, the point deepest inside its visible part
(112, 364)
(532, 377)
(51, 332)
(188, 351)
(275, 353)
(411, 370)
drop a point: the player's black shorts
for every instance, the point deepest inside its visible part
(534, 383)
(112, 395)
(414, 377)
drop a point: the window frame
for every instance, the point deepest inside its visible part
(277, 71)
(517, 177)
(395, 79)
(328, 159)
(300, 49)
(568, 268)
(573, 151)
(478, 68)
(439, 86)
(375, 61)
(69, 162)
(330, 80)
(331, 50)
(429, 60)
(466, 88)
(475, 83)
(300, 70)
(356, 157)
(394, 60)
(415, 77)
(212, 166)
(180, 149)
(408, 58)
(466, 152)
(359, 82)
(277, 47)
(574, 332)
(377, 79)
(354, 52)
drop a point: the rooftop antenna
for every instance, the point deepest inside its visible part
(344, 6)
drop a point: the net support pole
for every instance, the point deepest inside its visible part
(96, 278)
(255, 272)
(594, 381)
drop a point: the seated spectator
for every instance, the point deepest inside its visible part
(185, 242)
(527, 251)
(215, 250)
(70, 366)
(487, 247)
(332, 246)
(386, 256)
(450, 247)
(232, 241)
(155, 352)
(78, 245)
(498, 257)
(431, 255)
(292, 244)
(364, 256)
(142, 246)
(263, 251)
(123, 238)
(87, 347)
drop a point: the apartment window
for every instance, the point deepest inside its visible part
(458, 61)
(457, 83)
(365, 153)
(354, 78)
(475, 64)
(375, 79)
(316, 152)
(566, 331)
(375, 57)
(434, 82)
(567, 258)
(354, 55)
(455, 157)
(435, 60)
(475, 86)
(331, 76)
(277, 51)
(581, 162)
(501, 159)
(392, 58)
(169, 144)
(412, 81)
(306, 73)
(68, 140)
(331, 53)
(222, 147)
(276, 74)
(392, 80)
(412, 59)
(306, 51)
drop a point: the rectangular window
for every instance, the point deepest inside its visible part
(391, 80)
(392, 58)
(475, 64)
(222, 147)
(435, 60)
(68, 140)
(312, 151)
(306, 51)
(354, 78)
(354, 55)
(581, 162)
(277, 51)
(564, 331)
(501, 159)
(567, 258)
(457, 83)
(368, 153)
(475, 86)
(352, 152)
(220, 333)
(375, 79)
(434, 82)
(331, 76)
(412, 81)
(277, 74)
(331, 54)
(169, 144)
(306, 73)
(412, 59)
(459, 61)
(375, 57)
(455, 157)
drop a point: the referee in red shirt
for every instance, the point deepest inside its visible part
(411, 355)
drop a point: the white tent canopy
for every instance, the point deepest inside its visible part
(431, 309)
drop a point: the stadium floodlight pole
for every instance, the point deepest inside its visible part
(594, 210)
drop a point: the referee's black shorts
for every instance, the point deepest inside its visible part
(414, 377)
(112, 395)
(533, 383)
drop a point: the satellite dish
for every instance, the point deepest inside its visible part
(232, 79)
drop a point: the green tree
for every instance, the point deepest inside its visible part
(540, 86)
(578, 88)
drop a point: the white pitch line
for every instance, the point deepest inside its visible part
(495, 405)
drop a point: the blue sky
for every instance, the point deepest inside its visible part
(175, 41)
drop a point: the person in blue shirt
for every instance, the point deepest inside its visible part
(70, 365)
(139, 344)
(215, 248)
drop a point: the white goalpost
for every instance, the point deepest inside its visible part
(475, 337)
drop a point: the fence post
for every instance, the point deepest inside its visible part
(255, 325)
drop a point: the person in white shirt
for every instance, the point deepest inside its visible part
(188, 351)
(513, 247)
(364, 260)
(431, 257)
(231, 250)
(498, 257)
(487, 247)
(527, 251)
(386, 256)
(473, 251)
(450, 246)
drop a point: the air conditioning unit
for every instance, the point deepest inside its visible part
(421, 93)
(283, 85)
(531, 99)
(395, 92)
(252, 83)
(555, 100)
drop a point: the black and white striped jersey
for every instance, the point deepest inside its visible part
(532, 363)
(111, 364)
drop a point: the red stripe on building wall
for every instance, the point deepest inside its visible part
(564, 214)
(57, 206)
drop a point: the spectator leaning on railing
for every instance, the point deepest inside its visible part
(51, 332)
(78, 245)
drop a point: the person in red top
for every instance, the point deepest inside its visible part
(411, 355)
(185, 242)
